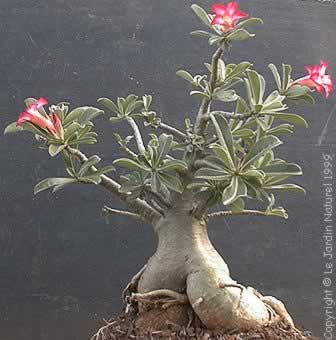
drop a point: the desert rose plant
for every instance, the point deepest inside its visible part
(225, 156)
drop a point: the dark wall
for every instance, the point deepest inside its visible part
(63, 264)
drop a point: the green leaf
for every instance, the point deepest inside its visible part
(70, 131)
(147, 101)
(224, 95)
(250, 21)
(281, 129)
(224, 134)
(93, 160)
(12, 128)
(202, 34)
(257, 83)
(286, 76)
(238, 205)
(130, 164)
(83, 115)
(297, 91)
(289, 117)
(239, 34)
(90, 179)
(51, 182)
(202, 14)
(236, 189)
(276, 75)
(109, 104)
(171, 181)
(212, 174)
(283, 169)
(237, 71)
(176, 165)
(104, 170)
(185, 75)
(260, 148)
(55, 149)
(286, 187)
(165, 143)
(280, 212)
(243, 133)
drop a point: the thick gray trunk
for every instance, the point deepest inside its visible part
(186, 262)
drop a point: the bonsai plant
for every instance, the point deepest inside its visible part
(225, 156)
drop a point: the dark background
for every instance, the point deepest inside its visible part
(62, 263)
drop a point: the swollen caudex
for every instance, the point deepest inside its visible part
(193, 266)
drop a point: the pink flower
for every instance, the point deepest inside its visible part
(33, 116)
(227, 16)
(317, 79)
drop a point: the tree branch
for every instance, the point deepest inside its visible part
(175, 132)
(121, 212)
(138, 205)
(238, 116)
(203, 116)
(137, 135)
(243, 212)
(160, 198)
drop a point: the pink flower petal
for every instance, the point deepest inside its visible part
(232, 8)
(57, 125)
(219, 9)
(218, 20)
(41, 101)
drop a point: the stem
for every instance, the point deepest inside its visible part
(137, 135)
(243, 212)
(175, 132)
(138, 205)
(121, 212)
(202, 116)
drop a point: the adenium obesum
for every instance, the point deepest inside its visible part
(227, 16)
(318, 79)
(172, 180)
(51, 124)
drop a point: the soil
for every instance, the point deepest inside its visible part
(124, 328)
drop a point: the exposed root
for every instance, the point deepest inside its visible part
(133, 284)
(161, 297)
(101, 333)
(279, 308)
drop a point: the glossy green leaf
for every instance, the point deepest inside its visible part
(224, 95)
(276, 75)
(51, 182)
(55, 149)
(212, 174)
(289, 117)
(239, 34)
(283, 169)
(202, 14)
(93, 160)
(130, 164)
(286, 187)
(224, 134)
(171, 181)
(262, 146)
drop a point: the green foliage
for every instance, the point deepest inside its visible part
(156, 167)
(295, 93)
(84, 172)
(129, 107)
(233, 172)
